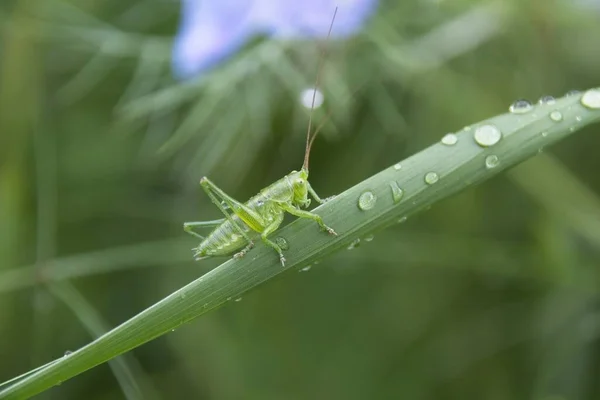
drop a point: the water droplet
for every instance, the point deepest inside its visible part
(367, 200)
(450, 139)
(182, 295)
(545, 133)
(306, 98)
(431, 178)
(68, 353)
(492, 161)
(281, 242)
(369, 238)
(547, 100)
(520, 106)
(578, 118)
(355, 243)
(487, 135)
(402, 220)
(305, 269)
(591, 99)
(397, 193)
(467, 128)
(316, 262)
(556, 116)
(238, 299)
(572, 93)
(398, 167)
(229, 298)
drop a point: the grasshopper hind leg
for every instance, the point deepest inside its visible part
(270, 229)
(245, 250)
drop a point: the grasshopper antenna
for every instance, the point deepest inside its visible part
(309, 139)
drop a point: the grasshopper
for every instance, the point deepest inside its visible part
(264, 212)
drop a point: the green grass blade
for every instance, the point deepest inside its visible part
(456, 167)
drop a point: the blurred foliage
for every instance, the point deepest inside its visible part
(491, 294)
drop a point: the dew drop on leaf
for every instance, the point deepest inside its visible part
(449, 139)
(431, 178)
(591, 99)
(547, 100)
(397, 192)
(355, 243)
(487, 135)
(556, 116)
(281, 242)
(520, 106)
(492, 161)
(367, 200)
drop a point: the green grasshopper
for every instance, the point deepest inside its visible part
(264, 212)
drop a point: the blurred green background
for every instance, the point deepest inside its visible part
(492, 294)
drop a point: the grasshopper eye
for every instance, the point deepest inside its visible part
(300, 182)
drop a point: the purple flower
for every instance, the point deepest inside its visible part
(212, 30)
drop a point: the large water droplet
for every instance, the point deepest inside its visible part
(556, 116)
(520, 106)
(487, 135)
(68, 353)
(450, 139)
(238, 299)
(547, 100)
(397, 193)
(367, 200)
(431, 178)
(369, 238)
(397, 167)
(306, 98)
(305, 269)
(591, 99)
(355, 243)
(492, 161)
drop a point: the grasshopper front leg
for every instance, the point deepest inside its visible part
(316, 196)
(307, 214)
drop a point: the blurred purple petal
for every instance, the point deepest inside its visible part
(312, 18)
(212, 30)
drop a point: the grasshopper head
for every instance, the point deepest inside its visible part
(299, 180)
